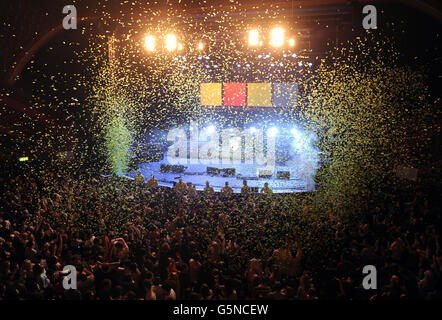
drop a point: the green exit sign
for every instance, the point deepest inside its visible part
(22, 159)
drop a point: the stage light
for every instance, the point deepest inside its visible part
(253, 37)
(235, 143)
(211, 129)
(171, 43)
(180, 46)
(292, 42)
(310, 64)
(298, 138)
(238, 65)
(207, 58)
(252, 129)
(295, 132)
(248, 65)
(259, 56)
(272, 132)
(149, 43)
(200, 46)
(277, 37)
(294, 55)
(300, 63)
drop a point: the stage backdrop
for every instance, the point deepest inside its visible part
(278, 95)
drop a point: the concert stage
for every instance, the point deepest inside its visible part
(298, 181)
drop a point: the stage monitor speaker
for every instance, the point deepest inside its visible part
(212, 171)
(167, 168)
(283, 175)
(228, 172)
(266, 174)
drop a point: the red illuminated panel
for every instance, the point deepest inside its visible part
(235, 94)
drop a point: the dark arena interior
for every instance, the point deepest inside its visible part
(220, 150)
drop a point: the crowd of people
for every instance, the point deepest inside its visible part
(131, 240)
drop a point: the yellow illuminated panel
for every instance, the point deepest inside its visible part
(259, 94)
(211, 94)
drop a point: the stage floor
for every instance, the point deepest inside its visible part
(196, 174)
